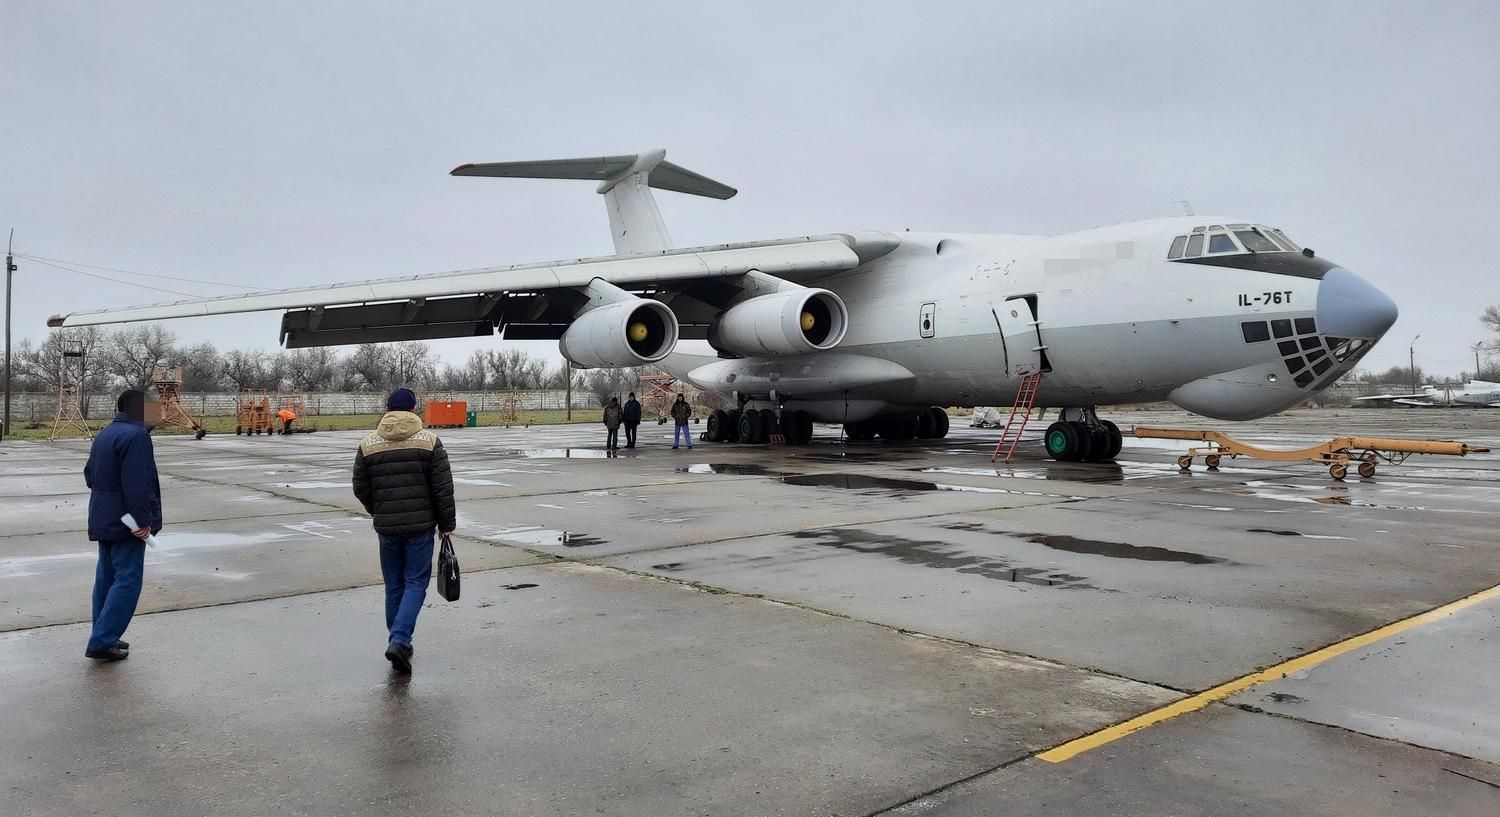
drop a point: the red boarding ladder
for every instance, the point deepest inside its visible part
(1025, 399)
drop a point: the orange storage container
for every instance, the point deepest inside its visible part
(446, 413)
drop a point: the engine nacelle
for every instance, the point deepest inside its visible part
(626, 333)
(790, 322)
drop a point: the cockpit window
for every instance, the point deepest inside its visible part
(1256, 242)
(1221, 242)
(1252, 238)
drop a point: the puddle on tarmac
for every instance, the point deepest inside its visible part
(1094, 547)
(1276, 532)
(859, 482)
(940, 555)
(564, 454)
(546, 537)
(1287, 493)
(743, 469)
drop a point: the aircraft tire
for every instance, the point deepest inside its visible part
(787, 420)
(898, 428)
(940, 421)
(1084, 451)
(717, 426)
(1098, 444)
(767, 425)
(804, 423)
(926, 426)
(1116, 440)
(731, 425)
(1060, 441)
(749, 427)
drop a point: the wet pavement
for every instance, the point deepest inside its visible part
(747, 630)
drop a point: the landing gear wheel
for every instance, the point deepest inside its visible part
(803, 423)
(898, 428)
(1338, 471)
(1367, 469)
(1098, 444)
(787, 420)
(1116, 440)
(1185, 462)
(1085, 446)
(1212, 461)
(717, 426)
(940, 422)
(732, 425)
(767, 425)
(1059, 440)
(750, 427)
(926, 426)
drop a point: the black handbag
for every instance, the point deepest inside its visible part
(447, 578)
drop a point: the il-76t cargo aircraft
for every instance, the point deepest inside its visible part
(1225, 317)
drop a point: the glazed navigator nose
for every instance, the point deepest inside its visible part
(1349, 307)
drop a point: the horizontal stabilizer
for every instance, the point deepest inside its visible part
(664, 176)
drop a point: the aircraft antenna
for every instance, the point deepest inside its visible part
(1187, 207)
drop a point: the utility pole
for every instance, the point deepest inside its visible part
(1412, 362)
(10, 268)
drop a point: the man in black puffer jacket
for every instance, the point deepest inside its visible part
(401, 476)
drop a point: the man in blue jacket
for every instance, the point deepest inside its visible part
(121, 475)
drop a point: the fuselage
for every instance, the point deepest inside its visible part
(1222, 316)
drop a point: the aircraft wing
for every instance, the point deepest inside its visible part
(527, 301)
(1374, 398)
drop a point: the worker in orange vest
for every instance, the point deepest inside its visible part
(286, 416)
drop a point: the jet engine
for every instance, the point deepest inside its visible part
(624, 333)
(790, 322)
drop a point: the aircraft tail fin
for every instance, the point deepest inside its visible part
(635, 223)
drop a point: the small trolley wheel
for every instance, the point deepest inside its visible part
(1367, 469)
(1184, 462)
(1338, 471)
(1212, 461)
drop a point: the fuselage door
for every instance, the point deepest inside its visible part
(1021, 336)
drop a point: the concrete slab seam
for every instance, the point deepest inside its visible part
(1193, 703)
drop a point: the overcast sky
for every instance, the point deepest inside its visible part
(275, 144)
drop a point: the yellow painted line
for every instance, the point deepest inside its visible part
(1193, 703)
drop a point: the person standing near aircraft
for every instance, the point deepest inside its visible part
(286, 416)
(681, 413)
(632, 418)
(612, 417)
(122, 480)
(402, 477)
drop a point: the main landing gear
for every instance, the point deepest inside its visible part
(1080, 436)
(928, 424)
(753, 426)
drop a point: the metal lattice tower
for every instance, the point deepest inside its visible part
(70, 393)
(168, 383)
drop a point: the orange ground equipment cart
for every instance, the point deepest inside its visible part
(445, 413)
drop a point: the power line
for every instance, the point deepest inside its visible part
(42, 258)
(109, 279)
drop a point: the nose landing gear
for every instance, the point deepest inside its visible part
(1080, 436)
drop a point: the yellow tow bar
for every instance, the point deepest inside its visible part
(1338, 453)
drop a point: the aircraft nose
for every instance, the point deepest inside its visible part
(1349, 307)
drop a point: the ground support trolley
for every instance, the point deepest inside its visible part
(1338, 454)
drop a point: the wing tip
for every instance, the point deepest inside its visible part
(56, 321)
(459, 171)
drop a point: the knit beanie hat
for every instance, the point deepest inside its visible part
(402, 399)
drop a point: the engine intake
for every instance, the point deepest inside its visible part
(792, 322)
(626, 333)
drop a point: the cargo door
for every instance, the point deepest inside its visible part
(1021, 336)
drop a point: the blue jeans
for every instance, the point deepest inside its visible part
(406, 564)
(681, 431)
(117, 588)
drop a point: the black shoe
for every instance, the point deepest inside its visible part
(111, 654)
(124, 645)
(400, 657)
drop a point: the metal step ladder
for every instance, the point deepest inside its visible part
(1025, 399)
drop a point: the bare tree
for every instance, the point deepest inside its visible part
(413, 363)
(370, 365)
(202, 368)
(136, 354)
(252, 369)
(607, 383)
(1491, 318)
(311, 369)
(39, 368)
